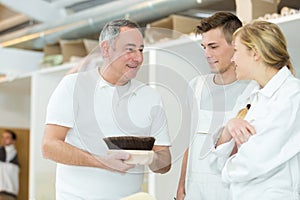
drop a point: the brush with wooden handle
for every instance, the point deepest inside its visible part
(243, 112)
(241, 115)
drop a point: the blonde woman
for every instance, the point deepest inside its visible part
(267, 163)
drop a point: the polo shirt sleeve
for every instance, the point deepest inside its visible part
(60, 106)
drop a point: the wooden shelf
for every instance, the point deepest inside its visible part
(286, 19)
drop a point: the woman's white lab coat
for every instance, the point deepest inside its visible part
(267, 166)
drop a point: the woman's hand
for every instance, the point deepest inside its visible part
(240, 130)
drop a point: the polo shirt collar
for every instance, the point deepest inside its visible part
(103, 83)
(129, 88)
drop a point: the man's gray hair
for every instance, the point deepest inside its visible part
(112, 29)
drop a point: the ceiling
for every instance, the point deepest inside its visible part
(23, 22)
(43, 11)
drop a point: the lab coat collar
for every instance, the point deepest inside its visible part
(275, 83)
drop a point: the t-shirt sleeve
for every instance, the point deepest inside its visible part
(60, 106)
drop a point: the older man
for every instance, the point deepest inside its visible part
(106, 101)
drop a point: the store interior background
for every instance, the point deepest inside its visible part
(40, 40)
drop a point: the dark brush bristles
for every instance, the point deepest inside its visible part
(130, 142)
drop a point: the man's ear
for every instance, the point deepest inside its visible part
(104, 45)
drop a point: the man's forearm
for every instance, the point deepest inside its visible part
(181, 184)
(64, 153)
(161, 161)
(224, 137)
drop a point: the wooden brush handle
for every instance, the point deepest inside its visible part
(243, 112)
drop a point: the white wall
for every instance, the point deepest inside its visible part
(172, 66)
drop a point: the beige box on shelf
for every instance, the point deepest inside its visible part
(51, 49)
(171, 27)
(72, 48)
(52, 55)
(248, 10)
(90, 45)
(78, 48)
(67, 51)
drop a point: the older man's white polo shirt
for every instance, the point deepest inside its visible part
(125, 110)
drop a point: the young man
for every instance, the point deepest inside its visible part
(215, 95)
(9, 166)
(107, 101)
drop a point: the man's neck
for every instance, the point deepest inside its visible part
(108, 76)
(219, 79)
(226, 77)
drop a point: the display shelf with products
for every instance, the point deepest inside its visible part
(286, 19)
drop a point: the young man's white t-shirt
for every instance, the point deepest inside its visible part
(212, 106)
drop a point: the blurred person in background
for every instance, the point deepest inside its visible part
(9, 166)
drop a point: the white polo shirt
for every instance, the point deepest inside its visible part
(94, 109)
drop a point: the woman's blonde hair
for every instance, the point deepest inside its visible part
(268, 40)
